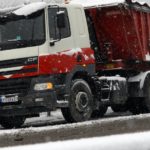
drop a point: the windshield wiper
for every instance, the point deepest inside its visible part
(13, 40)
(13, 43)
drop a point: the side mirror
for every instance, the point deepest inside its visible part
(61, 19)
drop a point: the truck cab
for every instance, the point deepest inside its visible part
(42, 48)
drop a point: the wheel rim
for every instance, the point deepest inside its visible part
(81, 101)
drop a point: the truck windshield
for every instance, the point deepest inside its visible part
(22, 31)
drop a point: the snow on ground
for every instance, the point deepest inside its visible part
(44, 119)
(43, 123)
(136, 141)
(56, 118)
(91, 143)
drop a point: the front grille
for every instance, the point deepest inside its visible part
(13, 86)
(19, 62)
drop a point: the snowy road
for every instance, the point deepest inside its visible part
(54, 128)
(56, 118)
(134, 141)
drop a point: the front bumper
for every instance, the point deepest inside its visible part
(30, 102)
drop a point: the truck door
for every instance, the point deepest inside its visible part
(60, 39)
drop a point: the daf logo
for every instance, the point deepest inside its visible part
(32, 59)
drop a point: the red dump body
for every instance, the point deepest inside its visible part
(123, 33)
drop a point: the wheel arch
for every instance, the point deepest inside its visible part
(80, 72)
(141, 77)
(137, 84)
(87, 77)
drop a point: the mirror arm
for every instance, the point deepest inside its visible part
(52, 43)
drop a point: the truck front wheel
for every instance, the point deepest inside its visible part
(80, 102)
(12, 122)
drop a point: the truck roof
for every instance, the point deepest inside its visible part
(30, 6)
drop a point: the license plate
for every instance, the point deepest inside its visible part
(10, 99)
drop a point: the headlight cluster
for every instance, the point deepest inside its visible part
(43, 86)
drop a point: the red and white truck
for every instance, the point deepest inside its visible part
(80, 59)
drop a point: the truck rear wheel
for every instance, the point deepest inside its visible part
(99, 113)
(137, 106)
(119, 108)
(80, 102)
(147, 94)
(12, 122)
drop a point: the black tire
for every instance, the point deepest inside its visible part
(137, 106)
(99, 113)
(147, 94)
(80, 102)
(12, 122)
(118, 108)
(141, 105)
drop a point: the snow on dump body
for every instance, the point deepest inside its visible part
(142, 2)
(93, 3)
(30, 8)
(101, 3)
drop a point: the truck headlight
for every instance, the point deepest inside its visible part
(43, 86)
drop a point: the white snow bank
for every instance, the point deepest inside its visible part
(30, 8)
(136, 141)
(74, 125)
